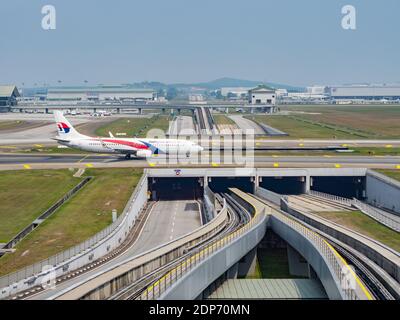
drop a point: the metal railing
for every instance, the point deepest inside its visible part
(342, 200)
(345, 275)
(155, 290)
(55, 260)
(147, 262)
(377, 215)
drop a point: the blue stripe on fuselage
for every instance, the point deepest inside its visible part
(154, 149)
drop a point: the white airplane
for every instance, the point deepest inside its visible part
(141, 148)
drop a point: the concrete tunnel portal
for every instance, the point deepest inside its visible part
(348, 187)
(222, 184)
(189, 188)
(284, 185)
(176, 188)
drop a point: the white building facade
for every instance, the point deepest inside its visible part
(100, 94)
(262, 95)
(376, 92)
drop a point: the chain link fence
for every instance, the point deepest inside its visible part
(64, 256)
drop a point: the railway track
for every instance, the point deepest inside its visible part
(129, 241)
(238, 216)
(363, 267)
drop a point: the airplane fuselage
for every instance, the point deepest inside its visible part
(139, 147)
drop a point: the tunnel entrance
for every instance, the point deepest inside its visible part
(347, 187)
(222, 184)
(284, 185)
(176, 188)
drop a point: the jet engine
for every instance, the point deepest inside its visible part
(143, 153)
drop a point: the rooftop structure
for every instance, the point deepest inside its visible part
(100, 93)
(8, 97)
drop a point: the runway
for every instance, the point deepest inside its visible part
(38, 161)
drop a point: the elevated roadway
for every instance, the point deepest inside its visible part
(143, 267)
(326, 261)
(9, 161)
(166, 221)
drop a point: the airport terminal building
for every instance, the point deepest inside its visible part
(381, 92)
(8, 97)
(100, 93)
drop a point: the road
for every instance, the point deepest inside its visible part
(246, 124)
(182, 125)
(38, 161)
(46, 128)
(44, 136)
(167, 221)
(45, 133)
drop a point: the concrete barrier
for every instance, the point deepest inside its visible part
(382, 217)
(382, 191)
(269, 195)
(308, 249)
(103, 285)
(386, 258)
(76, 257)
(206, 271)
(22, 234)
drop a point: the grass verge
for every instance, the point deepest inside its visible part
(274, 264)
(296, 128)
(88, 212)
(222, 119)
(395, 174)
(24, 195)
(134, 127)
(358, 221)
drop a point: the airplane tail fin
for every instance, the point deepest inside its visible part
(64, 127)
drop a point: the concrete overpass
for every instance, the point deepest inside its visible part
(48, 107)
(186, 266)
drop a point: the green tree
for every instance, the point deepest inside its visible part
(172, 93)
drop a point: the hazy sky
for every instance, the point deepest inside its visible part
(286, 41)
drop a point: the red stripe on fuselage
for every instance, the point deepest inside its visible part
(127, 143)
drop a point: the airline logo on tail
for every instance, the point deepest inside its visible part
(62, 127)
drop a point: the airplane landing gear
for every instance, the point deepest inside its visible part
(127, 156)
(187, 154)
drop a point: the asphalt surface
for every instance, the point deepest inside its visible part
(45, 133)
(246, 124)
(167, 221)
(182, 125)
(31, 161)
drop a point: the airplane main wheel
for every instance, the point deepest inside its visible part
(127, 156)
(187, 154)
